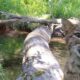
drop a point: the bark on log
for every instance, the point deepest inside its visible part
(8, 21)
(72, 67)
(26, 18)
(38, 60)
(36, 20)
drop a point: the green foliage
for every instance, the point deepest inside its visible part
(66, 8)
(58, 8)
(24, 7)
(3, 74)
(9, 73)
(9, 47)
(37, 7)
(13, 6)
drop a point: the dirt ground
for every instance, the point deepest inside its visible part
(57, 45)
(59, 49)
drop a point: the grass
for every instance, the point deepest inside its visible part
(10, 46)
(58, 8)
(13, 72)
(9, 73)
(60, 52)
(66, 8)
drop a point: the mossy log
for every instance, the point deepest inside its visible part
(10, 21)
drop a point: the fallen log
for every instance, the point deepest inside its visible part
(7, 16)
(28, 20)
(12, 21)
(8, 21)
(20, 24)
(38, 61)
(25, 18)
(24, 23)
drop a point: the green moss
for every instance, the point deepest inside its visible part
(39, 73)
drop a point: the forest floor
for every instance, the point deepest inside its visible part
(59, 48)
(12, 46)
